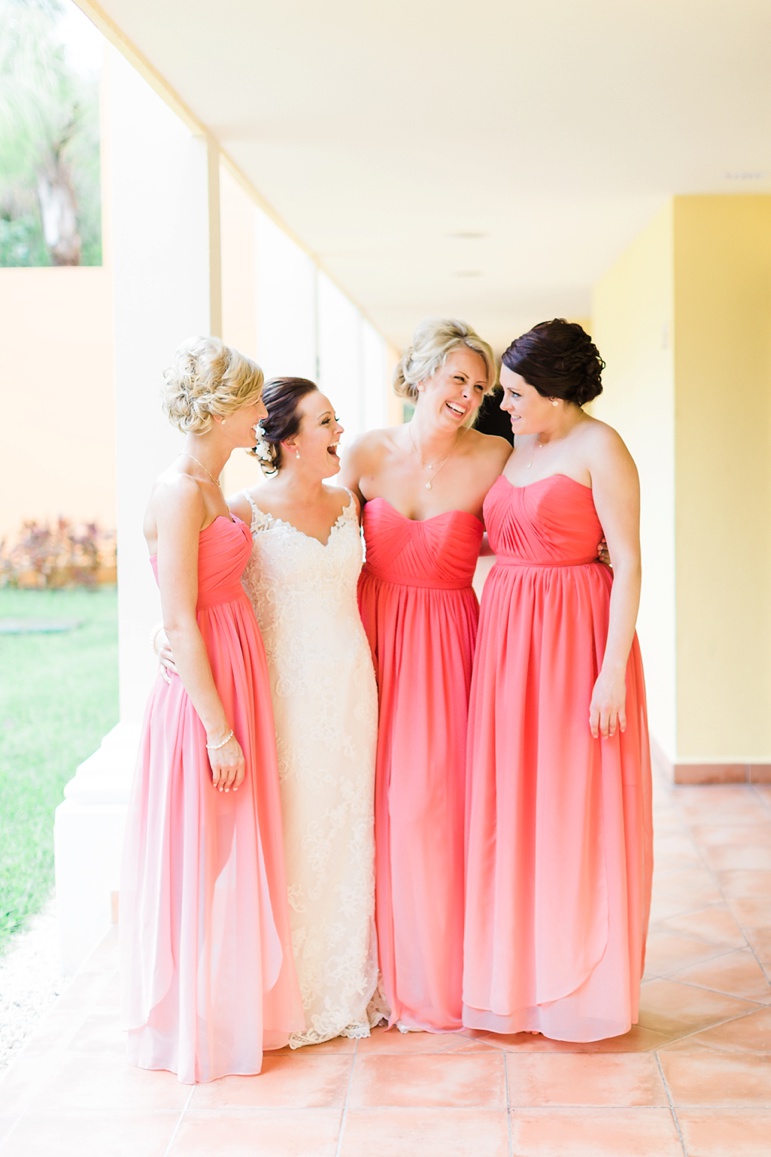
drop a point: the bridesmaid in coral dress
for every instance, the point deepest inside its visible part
(559, 820)
(423, 485)
(207, 972)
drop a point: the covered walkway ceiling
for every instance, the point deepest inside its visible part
(483, 158)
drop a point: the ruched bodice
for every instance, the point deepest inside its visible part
(224, 547)
(551, 522)
(439, 552)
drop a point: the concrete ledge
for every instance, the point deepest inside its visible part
(88, 841)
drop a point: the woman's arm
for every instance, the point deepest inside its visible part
(179, 513)
(356, 462)
(616, 492)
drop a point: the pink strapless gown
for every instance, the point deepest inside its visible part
(420, 614)
(207, 969)
(559, 824)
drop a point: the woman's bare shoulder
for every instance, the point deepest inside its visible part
(488, 447)
(374, 441)
(173, 488)
(600, 438)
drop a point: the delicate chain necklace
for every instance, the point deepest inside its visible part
(214, 480)
(539, 445)
(433, 466)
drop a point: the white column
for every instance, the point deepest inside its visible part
(375, 378)
(286, 304)
(340, 356)
(164, 214)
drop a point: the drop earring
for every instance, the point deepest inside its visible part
(297, 453)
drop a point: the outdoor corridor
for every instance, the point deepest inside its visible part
(693, 1078)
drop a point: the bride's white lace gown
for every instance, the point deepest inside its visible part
(325, 706)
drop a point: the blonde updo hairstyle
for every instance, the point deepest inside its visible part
(208, 380)
(433, 341)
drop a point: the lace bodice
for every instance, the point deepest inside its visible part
(304, 590)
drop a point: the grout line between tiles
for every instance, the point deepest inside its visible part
(178, 1125)
(717, 1024)
(510, 1131)
(672, 1108)
(344, 1110)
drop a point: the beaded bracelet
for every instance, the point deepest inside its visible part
(217, 746)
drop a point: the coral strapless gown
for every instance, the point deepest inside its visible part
(559, 825)
(420, 614)
(207, 969)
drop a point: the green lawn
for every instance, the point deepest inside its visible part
(58, 697)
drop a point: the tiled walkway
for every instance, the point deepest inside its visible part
(693, 1078)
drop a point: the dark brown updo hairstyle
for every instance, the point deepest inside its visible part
(559, 360)
(282, 397)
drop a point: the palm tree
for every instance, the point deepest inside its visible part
(49, 151)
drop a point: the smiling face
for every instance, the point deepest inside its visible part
(528, 410)
(318, 437)
(454, 393)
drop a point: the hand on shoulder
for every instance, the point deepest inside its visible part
(238, 504)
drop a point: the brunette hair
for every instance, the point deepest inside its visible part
(559, 360)
(282, 397)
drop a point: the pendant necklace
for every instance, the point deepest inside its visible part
(435, 467)
(539, 445)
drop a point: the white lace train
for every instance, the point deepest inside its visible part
(325, 706)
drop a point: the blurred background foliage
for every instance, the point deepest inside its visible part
(50, 195)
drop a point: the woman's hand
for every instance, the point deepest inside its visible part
(603, 554)
(607, 710)
(163, 653)
(228, 766)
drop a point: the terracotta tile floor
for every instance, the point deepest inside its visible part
(693, 1079)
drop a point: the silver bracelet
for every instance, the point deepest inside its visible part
(217, 746)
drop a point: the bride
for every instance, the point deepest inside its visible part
(301, 580)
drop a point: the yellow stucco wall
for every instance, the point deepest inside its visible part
(723, 475)
(632, 314)
(57, 436)
(683, 319)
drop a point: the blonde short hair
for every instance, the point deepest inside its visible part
(432, 342)
(208, 379)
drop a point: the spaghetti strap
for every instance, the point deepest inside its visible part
(254, 507)
(352, 502)
(261, 520)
